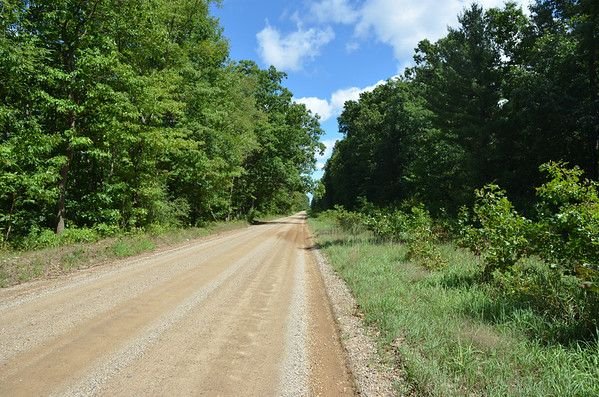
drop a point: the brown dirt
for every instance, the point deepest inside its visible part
(239, 314)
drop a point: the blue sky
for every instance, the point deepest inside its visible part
(332, 50)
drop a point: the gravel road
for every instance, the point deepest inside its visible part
(240, 314)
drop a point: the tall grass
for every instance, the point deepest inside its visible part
(452, 334)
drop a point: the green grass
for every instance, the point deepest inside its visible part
(452, 334)
(130, 247)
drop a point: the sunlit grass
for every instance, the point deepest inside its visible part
(22, 266)
(452, 334)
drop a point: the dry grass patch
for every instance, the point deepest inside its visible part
(18, 267)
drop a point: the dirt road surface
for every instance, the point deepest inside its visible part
(240, 314)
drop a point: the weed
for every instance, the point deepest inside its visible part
(457, 335)
(131, 246)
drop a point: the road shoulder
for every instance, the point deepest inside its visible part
(372, 377)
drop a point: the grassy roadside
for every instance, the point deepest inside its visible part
(20, 266)
(449, 333)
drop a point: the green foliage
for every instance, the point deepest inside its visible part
(502, 235)
(568, 213)
(44, 238)
(565, 232)
(563, 284)
(129, 247)
(414, 229)
(422, 242)
(121, 116)
(569, 312)
(387, 224)
(349, 221)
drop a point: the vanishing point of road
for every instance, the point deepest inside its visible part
(244, 313)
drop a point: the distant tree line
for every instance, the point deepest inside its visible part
(499, 95)
(119, 114)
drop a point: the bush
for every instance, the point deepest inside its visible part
(106, 230)
(502, 235)
(75, 235)
(415, 229)
(570, 311)
(422, 241)
(563, 282)
(46, 238)
(567, 233)
(348, 221)
(388, 225)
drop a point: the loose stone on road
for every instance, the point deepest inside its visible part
(240, 314)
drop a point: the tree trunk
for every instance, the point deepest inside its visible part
(64, 175)
(9, 221)
(62, 190)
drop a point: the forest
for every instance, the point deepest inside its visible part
(497, 97)
(461, 206)
(120, 115)
(490, 141)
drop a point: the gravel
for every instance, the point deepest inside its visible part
(371, 375)
(294, 372)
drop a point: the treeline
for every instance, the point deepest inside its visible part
(548, 264)
(493, 100)
(117, 115)
(489, 142)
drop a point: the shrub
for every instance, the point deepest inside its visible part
(502, 235)
(468, 235)
(106, 230)
(387, 225)
(570, 311)
(422, 241)
(563, 282)
(76, 235)
(415, 229)
(46, 238)
(349, 221)
(567, 233)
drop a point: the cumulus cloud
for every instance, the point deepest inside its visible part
(398, 23)
(318, 106)
(336, 11)
(289, 52)
(332, 107)
(321, 159)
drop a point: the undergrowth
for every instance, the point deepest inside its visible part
(454, 333)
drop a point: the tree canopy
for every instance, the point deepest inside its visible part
(121, 114)
(499, 95)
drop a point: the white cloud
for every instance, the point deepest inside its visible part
(336, 11)
(317, 106)
(332, 107)
(399, 23)
(352, 46)
(321, 159)
(291, 51)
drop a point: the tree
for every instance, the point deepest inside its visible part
(118, 115)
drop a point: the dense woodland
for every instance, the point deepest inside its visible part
(489, 142)
(117, 115)
(497, 97)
